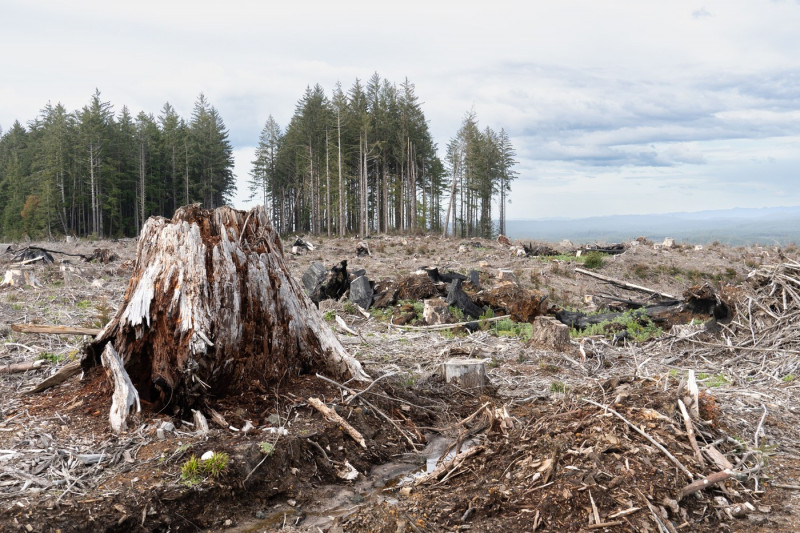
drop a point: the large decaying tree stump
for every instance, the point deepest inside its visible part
(211, 308)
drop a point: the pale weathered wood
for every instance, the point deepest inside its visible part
(334, 417)
(13, 368)
(211, 307)
(20, 278)
(467, 373)
(125, 396)
(621, 283)
(66, 372)
(700, 484)
(55, 330)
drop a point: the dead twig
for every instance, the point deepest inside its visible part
(645, 435)
(334, 417)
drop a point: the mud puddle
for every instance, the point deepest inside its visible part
(338, 501)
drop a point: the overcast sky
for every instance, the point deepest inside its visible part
(614, 107)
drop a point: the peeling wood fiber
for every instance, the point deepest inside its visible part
(211, 308)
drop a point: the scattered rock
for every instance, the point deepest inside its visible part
(361, 292)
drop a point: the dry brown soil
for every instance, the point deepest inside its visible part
(561, 463)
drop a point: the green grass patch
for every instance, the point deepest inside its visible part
(194, 470)
(713, 380)
(52, 357)
(640, 327)
(509, 328)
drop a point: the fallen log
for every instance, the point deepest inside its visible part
(211, 307)
(55, 330)
(14, 368)
(659, 314)
(66, 372)
(624, 284)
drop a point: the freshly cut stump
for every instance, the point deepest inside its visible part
(212, 309)
(466, 373)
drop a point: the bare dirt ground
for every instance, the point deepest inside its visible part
(584, 445)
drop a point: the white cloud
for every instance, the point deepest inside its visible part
(610, 104)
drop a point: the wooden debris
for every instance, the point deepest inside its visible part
(334, 417)
(20, 278)
(125, 396)
(624, 284)
(700, 484)
(687, 421)
(206, 310)
(55, 330)
(66, 372)
(466, 373)
(645, 435)
(449, 466)
(13, 368)
(200, 422)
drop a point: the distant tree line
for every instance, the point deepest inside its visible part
(364, 161)
(355, 163)
(92, 172)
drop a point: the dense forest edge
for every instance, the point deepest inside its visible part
(355, 162)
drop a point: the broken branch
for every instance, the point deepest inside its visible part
(334, 417)
(645, 435)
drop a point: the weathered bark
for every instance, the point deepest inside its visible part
(211, 307)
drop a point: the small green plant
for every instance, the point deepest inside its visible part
(329, 315)
(788, 378)
(103, 313)
(594, 260)
(191, 471)
(639, 326)
(52, 357)
(713, 381)
(266, 448)
(509, 328)
(194, 470)
(16, 307)
(350, 308)
(215, 465)
(83, 304)
(559, 387)
(457, 313)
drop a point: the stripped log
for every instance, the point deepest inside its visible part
(55, 330)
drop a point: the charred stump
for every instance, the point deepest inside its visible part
(211, 308)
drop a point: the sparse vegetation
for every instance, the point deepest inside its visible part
(639, 326)
(194, 470)
(594, 260)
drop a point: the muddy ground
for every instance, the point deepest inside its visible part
(554, 445)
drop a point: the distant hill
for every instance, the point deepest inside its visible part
(770, 225)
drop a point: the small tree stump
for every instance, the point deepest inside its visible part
(550, 334)
(20, 278)
(466, 373)
(211, 308)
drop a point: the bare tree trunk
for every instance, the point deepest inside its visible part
(212, 308)
(341, 184)
(327, 187)
(451, 203)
